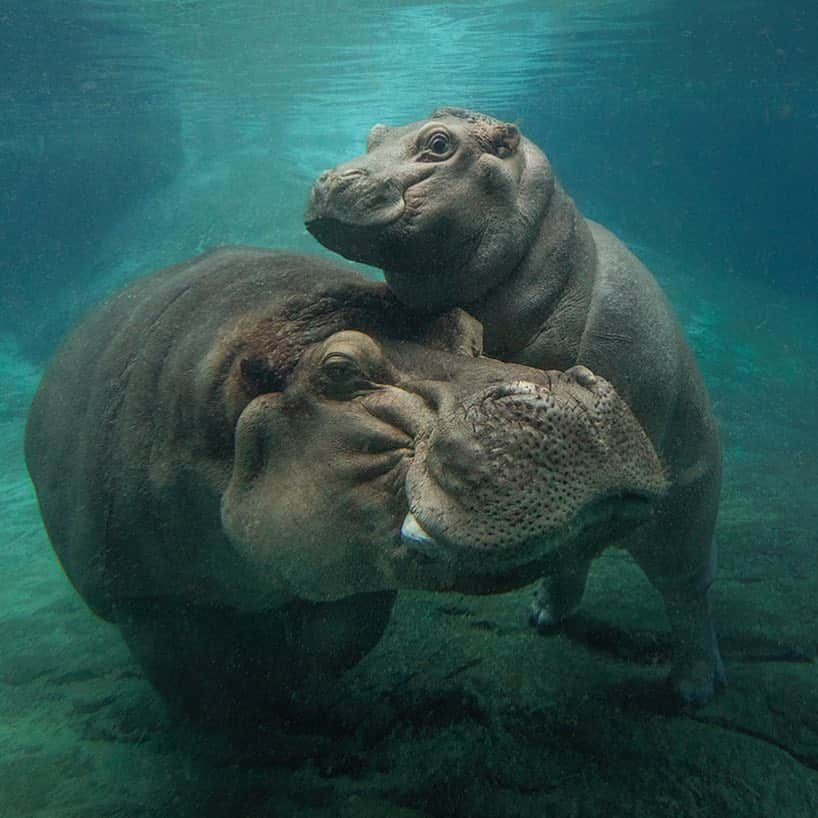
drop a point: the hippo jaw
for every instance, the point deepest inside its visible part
(457, 568)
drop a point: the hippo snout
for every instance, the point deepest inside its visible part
(456, 454)
(522, 465)
(355, 197)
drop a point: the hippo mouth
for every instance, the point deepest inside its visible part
(632, 507)
(355, 242)
(508, 568)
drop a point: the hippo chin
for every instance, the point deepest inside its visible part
(484, 225)
(240, 459)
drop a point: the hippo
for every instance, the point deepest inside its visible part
(461, 210)
(240, 459)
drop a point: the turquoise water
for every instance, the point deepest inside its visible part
(136, 134)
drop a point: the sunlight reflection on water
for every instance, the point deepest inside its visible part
(251, 66)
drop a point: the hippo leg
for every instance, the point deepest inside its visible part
(558, 596)
(682, 566)
(698, 669)
(234, 670)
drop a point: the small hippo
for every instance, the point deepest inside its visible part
(241, 458)
(461, 210)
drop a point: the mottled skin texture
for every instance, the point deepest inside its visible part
(226, 455)
(462, 210)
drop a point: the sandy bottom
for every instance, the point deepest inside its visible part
(469, 712)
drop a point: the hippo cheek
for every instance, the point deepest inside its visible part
(305, 512)
(315, 542)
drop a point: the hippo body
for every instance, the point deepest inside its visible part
(462, 210)
(241, 458)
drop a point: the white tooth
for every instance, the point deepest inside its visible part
(412, 530)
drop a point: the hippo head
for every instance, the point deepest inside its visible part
(370, 462)
(452, 198)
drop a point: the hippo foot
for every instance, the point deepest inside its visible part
(557, 597)
(542, 614)
(542, 618)
(695, 683)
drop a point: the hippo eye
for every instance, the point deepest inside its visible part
(337, 366)
(438, 145)
(342, 374)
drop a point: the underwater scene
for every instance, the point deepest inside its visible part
(408, 408)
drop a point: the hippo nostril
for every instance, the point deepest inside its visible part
(351, 174)
(582, 376)
(516, 389)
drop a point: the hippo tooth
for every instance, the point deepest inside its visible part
(414, 531)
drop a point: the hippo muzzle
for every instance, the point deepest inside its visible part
(352, 207)
(356, 197)
(506, 481)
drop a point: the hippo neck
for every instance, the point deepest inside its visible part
(537, 313)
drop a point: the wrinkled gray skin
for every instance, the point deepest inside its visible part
(240, 459)
(462, 210)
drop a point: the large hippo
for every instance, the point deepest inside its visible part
(241, 458)
(461, 210)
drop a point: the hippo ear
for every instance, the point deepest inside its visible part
(506, 138)
(376, 136)
(455, 331)
(248, 377)
(258, 376)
